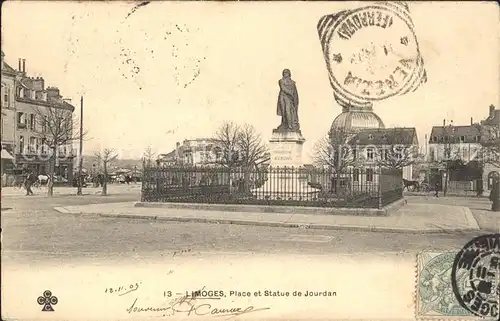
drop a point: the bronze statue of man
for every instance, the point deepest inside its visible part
(288, 103)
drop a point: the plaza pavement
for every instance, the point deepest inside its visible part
(414, 217)
(113, 189)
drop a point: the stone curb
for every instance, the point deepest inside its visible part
(353, 228)
(385, 211)
(472, 195)
(469, 217)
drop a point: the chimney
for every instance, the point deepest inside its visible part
(24, 65)
(471, 121)
(53, 94)
(492, 110)
(38, 83)
(444, 122)
(19, 65)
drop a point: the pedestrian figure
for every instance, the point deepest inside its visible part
(494, 193)
(479, 190)
(437, 187)
(28, 182)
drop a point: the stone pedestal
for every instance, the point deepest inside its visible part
(286, 148)
(286, 179)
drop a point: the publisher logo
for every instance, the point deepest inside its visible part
(47, 300)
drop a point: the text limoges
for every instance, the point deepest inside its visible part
(205, 294)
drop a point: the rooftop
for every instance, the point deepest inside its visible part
(387, 136)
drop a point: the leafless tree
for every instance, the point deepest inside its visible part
(238, 146)
(106, 156)
(148, 156)
(337, 152)
(56, 128)
(252, 151)
(451, 155)
(490, 145)
(225, 145)
(396, 152)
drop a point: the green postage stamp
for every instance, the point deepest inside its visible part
(458, 286)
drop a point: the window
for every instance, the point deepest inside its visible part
(369, 175)
(478, 138)
(462, 139)
(32, 145)
(21, 118)
(355, 175)
(354, 154)
(369, 153)
(434, 139)
(385, 152)
(6, 93)
(21, 144)
(44, 145)
(399, 153)
(32, 122)
(45, 123)
(370, 137)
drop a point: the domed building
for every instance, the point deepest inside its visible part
(354, 119)
(365, 131)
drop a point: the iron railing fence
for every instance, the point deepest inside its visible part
(293, 186)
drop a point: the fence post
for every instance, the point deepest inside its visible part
(157, 180)
(380, 182)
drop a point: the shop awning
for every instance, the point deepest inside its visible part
(6, 155)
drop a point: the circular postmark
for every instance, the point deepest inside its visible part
(479, 292)
(372, 52)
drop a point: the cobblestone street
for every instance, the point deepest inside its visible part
(34, 231)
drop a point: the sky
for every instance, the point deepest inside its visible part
(168, 71)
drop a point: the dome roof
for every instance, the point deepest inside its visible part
(353, 120)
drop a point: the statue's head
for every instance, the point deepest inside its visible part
(287, 73)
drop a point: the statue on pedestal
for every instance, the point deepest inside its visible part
(288, 103)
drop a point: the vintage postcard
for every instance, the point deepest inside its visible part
(250, 160)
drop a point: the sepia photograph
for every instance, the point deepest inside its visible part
(250, 160)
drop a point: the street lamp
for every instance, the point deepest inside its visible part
(80, 165)
(448, 151)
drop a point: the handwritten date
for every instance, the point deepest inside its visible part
(122, 290)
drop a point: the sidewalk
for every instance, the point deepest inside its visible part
(411, 218)
(66, 191)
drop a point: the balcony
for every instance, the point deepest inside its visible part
(21, 125)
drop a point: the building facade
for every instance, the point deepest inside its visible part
(199, 151)
(36, 116)
(459, 157)
(8, 126)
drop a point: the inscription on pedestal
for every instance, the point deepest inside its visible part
(282, 155)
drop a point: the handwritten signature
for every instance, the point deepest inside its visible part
(188, 305)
